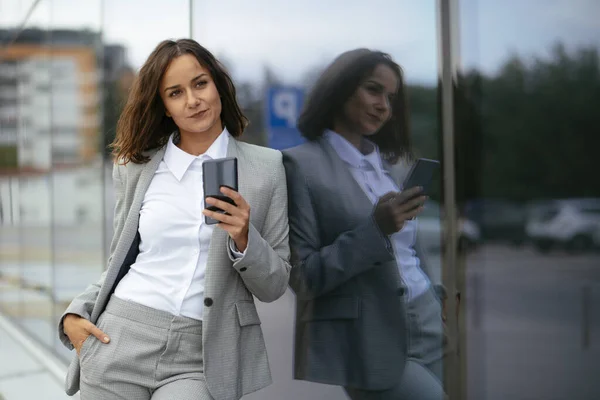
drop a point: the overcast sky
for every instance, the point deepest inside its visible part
(294, 36)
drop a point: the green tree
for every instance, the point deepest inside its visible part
(540, 127)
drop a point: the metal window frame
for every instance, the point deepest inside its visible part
(448, 66)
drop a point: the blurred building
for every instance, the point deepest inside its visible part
(50, 106)
(56, 102)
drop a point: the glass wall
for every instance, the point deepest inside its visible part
(65, 69)
(269, 44)
(526, 132)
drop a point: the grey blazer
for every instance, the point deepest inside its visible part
(350, 312)
(235, 357)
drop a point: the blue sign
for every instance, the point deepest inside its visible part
(284, 104)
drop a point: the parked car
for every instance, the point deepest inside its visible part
(570, 224)
(498, 220)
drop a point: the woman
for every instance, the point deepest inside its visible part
(368, 317)
(173, 316)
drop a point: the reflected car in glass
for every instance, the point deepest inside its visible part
(567, 224)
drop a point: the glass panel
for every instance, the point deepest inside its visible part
(527, 106)
(76, 92)
(269, 45)
(26, 109)
(126, 47)
(64, 78)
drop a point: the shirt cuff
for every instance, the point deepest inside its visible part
(234, 250)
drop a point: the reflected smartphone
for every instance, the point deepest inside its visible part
(421, 174)
(217, 173)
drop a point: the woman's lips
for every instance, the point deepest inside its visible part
(199, 114)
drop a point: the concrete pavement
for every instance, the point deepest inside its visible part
(27, 370)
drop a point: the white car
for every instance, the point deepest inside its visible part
(570, 224)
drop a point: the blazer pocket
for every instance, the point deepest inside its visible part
(331, 308)
(247, 314)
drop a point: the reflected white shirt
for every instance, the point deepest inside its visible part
(374, 180)
(169, 271)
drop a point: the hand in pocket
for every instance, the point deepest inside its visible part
(78, 329)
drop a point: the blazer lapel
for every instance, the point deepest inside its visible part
(233, 150)
(341, 173)
(130, 228)
(131, 223)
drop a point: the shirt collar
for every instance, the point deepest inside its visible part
(351, 155)
(178, 161)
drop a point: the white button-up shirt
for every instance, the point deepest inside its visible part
(169, 271)
(371, 176)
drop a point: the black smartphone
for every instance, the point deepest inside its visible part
(215, 174)
(421, 174)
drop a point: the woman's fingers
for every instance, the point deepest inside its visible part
(98, 333)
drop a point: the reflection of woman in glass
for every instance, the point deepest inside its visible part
(368, 316)
(173, 317)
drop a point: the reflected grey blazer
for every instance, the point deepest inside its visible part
(350, 312)
(235, 357)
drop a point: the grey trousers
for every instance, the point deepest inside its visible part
(423, 375)
(152, 355)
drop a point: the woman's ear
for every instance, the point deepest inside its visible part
(167, 113)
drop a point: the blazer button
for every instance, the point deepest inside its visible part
(243, 269)
(208, 302)
(377, 264)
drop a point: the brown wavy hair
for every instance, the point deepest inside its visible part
(338, 83)
(144, 125)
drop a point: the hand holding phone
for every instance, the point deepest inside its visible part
(393, 209)
(217, 173)
(224, 204)
(421, 174)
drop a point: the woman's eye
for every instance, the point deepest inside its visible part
(201, 83)
(174, 93)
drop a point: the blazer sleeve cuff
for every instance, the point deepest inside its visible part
(249, 264)
(234, 253)
(380, 248)
(73, 309)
